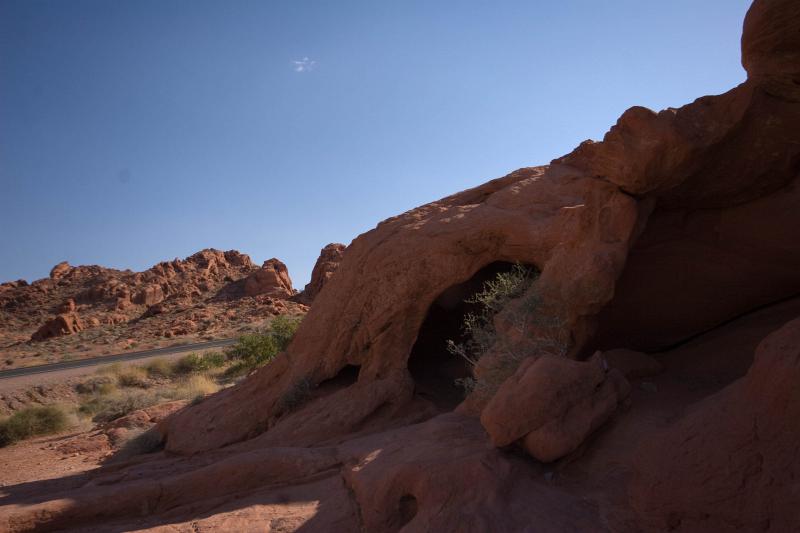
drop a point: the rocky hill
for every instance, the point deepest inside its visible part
(88, 310)
(641, 376)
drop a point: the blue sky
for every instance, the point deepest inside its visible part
(136, 131)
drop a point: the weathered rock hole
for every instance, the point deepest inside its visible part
(434, 369)
(347, 376)
(407, 509)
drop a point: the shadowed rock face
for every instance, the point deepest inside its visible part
(669, 234)
(732, 463)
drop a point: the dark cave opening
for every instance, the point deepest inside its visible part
(434, 369)
(347, 376)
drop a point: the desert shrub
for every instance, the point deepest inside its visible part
(132, 376)
(193, 388)
(479, 333)
(159, 368)
(238, 369)
(214, 359)
(140, 442)
(295, 396)
(31, 422)
(256, 349)
(108, 408)
(113, 368)
(194, 363)
(282, 328)
(531, 328)
(96, 385)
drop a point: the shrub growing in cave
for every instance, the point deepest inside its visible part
(530, 328)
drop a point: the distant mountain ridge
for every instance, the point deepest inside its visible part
(210, 294)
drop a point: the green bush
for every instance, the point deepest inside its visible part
(257, 349)
(282, 329)
(195, 363)
(214, 359)
(31, 422)
(479, 333)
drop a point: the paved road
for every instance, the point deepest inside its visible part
(107, 359)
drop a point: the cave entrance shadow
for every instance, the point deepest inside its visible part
(434, 369)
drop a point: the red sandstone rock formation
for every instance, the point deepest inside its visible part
(209, 280)
(675, 233)
(732, 462)
(64, 324)
(149, 295)
(552, 404)
(271, 280)
(327, 263)
(60, 270)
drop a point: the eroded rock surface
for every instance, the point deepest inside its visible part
(733, 463)
(676, 233)
(63, 324)
(271, 280)
(327, 263)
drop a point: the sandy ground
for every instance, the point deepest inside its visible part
(46, 458)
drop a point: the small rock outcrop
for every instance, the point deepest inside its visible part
(271, 280)
(67, 307)
(60, 270)
(64, 324)
(326, 265)
(149, 295)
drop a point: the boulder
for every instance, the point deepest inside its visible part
(271, 280)
(553, 404)
(60, 270)
(64, 324)
(147, 417)
(771, 47)
(327, 263)
(67, 307)
(149, 295)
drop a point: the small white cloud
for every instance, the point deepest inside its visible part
(304, 65)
